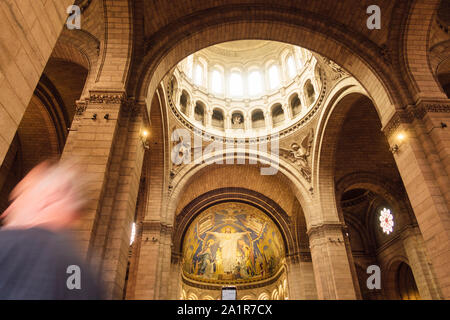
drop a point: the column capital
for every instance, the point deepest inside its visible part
(107, 96)
(417, 111)
(156, 226)
(323, 228)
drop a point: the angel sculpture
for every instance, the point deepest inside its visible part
(237, 119)
(299, 154)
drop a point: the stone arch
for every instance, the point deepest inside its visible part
(390, 278)
(200, 112)
(82, 48)
(218, 118)
(237, 120)
(295, 104)
(336, 108)
(185, 101)
(287, 173)
(282, 24)
(278, 116)
(416, 64)
(260, 201)
(309, 92)
(258, 119)
(372, 182)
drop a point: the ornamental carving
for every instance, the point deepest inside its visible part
(80, 107)
(107, 98)
(299, 154)
(414, 112)
(338, 71)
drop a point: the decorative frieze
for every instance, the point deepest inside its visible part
(412, 112)
(105, 97)
(324, 228)
(80, 107)
(156, 226)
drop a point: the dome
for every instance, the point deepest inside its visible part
(232, 243)
(246, 88)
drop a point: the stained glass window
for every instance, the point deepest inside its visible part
(386, 220)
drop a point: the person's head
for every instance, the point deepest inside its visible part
(50, 196)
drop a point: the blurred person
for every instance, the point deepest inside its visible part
(37, 256)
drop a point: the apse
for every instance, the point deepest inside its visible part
(233, 244)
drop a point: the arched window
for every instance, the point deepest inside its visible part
(198, 75)
(255, 83)
(258, 120)
(309, 92)
(291, 67)
(277, 115)
(217, 82)
(190, 66)
(236, 85)
(295, 104)
(274, 77)
(237, 120)
(217, 119)
(199, 112)
(184, 101)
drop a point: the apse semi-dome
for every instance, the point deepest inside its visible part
(232, 243)
(246, 88)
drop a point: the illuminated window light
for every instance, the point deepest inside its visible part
(386, 221)
(133, 233)
(291, 67)
(255, 83)
(236, 87)
(274, 77)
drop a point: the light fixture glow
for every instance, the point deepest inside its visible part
(400, 137)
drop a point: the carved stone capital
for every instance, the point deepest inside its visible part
(107, 97)
(412, 112)
(399, 117)
(80, 107)
(156, 226)
(428, 106)
(322, 229)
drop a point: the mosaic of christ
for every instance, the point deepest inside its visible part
(232, 242)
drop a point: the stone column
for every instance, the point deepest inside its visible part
(105, 140)
(300, 276)
(208, 117)
(153, 269)
(126, 167)
(190, 109)
(287, 112)
(330, 261)
(90, 142)
(175, 277)
(427, 184)
(268, 118)
(26, 47)
(419, 263)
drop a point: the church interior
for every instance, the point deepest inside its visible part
(282, 149)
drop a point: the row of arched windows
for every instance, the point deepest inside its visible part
(257, 116)
(237, 82)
